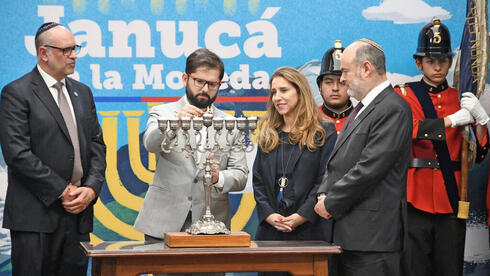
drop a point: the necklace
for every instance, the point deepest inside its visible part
(283, 180)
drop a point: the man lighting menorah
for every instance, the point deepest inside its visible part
(176, 198)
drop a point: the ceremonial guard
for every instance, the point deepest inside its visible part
(336, 102)
(436, 235)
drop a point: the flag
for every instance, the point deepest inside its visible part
(473, 56)
(471, 67)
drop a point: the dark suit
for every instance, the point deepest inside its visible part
(365, 180)
(38, 151)
(309, 168)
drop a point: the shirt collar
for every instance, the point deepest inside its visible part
(50, 81)
(374, 92)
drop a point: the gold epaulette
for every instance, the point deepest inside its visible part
(402, 88)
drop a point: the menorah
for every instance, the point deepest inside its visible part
(235, 142)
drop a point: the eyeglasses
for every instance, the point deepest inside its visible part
(68, 50)
(212, 85)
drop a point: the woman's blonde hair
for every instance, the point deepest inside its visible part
(306, 130)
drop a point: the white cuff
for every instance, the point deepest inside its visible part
(221, 181)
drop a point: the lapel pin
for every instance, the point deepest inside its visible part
(75, 93)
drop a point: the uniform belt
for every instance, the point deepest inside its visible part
(431, 163)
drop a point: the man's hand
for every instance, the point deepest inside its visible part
(65, 196)
(320, 208)
(471, 103)
(276, 220)
(294, 220)
(78, 199)
(190, 111)
(214, 168)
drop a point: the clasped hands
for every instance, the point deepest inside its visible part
(471, 110)
(76, 199)
(285, 224)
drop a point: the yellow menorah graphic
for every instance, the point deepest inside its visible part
(118, 189)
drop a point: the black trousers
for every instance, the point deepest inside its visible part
(435, 245)
(365, 263)
(50, 254)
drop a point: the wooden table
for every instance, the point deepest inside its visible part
(138, 257)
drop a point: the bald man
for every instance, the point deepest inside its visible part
(52, 143)
(363, 190)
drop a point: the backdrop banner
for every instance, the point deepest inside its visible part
(133, 56)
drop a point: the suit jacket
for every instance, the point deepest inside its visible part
(365, 179)
(177, 186)
(38, 151)
(309, 168)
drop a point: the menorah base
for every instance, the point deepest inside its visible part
(183, 239)
(207, 226)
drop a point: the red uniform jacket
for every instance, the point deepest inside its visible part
(339, 119)
(425, 186)
(488, 195)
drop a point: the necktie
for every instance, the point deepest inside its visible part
(353, 116)
(72, 130)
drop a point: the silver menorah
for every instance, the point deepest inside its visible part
(169, 128)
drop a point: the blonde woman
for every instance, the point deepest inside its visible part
(294, 146)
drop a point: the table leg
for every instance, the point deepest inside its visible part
(320, 265)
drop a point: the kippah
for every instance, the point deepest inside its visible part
(372, 43)
(46, 26)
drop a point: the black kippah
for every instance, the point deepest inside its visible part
(46, 26)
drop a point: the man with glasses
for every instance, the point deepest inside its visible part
(176, 197)
(52, 143)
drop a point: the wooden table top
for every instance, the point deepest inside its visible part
(129, 248)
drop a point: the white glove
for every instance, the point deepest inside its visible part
(460, 118)
(471, 103)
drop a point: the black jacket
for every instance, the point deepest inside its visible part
(39, 153)
(309, 168)
(365, 179)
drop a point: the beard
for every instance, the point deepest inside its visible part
(354, 94)
(195, 101)
(356, 86)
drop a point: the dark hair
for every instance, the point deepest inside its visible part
(438, 58)
(204, 57)
(40, 39)
(371, 51)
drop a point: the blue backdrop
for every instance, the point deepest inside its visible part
(134, 53)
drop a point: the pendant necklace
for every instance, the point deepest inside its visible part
(283, 180)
